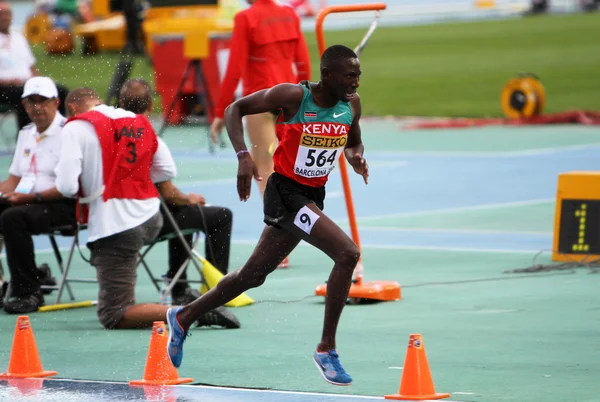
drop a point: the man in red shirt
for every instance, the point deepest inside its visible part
(267, 48)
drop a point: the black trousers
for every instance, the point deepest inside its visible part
(217, 230)
(131, 11)
(11, 94)
(17, 225)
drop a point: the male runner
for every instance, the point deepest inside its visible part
(316, 123)
(267, 48)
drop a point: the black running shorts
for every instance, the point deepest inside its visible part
(285, 197)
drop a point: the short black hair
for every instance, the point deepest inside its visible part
(136, 96)
(333, 55)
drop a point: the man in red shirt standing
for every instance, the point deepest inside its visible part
(267, 48)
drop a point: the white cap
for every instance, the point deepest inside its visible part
(42, 86)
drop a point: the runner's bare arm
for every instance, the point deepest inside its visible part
(354, 148)
(285, 97)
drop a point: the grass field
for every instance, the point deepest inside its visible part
(454, 69)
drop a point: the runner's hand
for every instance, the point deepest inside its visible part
(215, 129)
(360, 166)
(246, 170)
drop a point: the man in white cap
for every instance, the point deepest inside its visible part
(30, 203)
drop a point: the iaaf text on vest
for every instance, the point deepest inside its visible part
(129, 132)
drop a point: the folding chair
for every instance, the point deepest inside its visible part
(73, 231)
(64, 269)
(66, 231)
(191, 257)
(169, 236)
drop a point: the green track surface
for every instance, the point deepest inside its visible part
(489, 336)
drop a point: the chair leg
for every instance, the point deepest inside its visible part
(152, 277)
(196, 263)
(7, 294)
(2, 280)
(67, 269)
(141, 260)
(191, 257)
(63, 270)
(1, 266)
(175, 279)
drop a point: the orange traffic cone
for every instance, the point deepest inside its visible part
(159, 369)
(416, 383)
(24, 358)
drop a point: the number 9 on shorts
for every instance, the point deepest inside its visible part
(305, 219)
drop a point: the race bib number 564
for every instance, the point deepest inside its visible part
(318, 154)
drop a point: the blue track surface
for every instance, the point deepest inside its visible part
(427, 183)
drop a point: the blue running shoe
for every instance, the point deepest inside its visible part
(331, 369)
(177, 336)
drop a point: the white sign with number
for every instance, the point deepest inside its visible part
(318, 154)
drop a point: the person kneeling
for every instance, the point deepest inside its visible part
(116, 177)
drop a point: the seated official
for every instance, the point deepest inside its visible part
(30, 203)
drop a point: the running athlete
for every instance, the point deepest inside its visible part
(267, 48)
(317, 122)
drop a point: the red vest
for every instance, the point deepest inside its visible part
(128, 145)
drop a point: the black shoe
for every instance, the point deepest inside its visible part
(46, 278)
(220, 317)
(24, 304)
(188, 295)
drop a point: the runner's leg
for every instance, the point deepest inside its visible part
(314, 227)
(273, 246)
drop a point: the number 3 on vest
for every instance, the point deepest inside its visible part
(305, 219)
(132, 158)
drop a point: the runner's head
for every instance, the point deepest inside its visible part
(81, 100)
(340, 72)
(136, 96)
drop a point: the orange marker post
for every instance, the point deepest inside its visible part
(377, 290)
